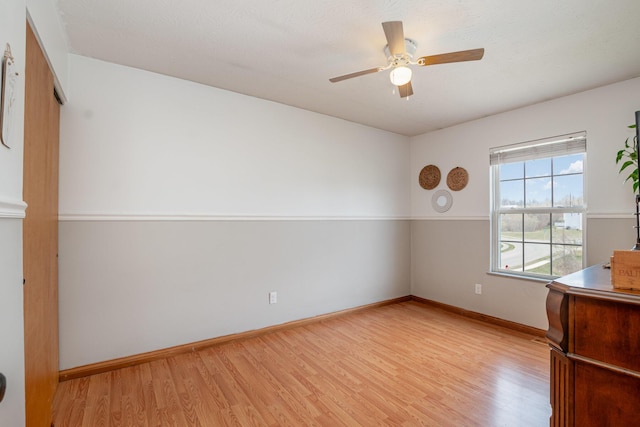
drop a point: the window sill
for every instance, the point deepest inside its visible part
(521, 277)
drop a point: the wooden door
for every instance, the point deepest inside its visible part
(40, 236)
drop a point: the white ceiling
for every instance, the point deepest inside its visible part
(286, 51)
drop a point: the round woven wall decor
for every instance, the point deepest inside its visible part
(429, 177)
(457, 178)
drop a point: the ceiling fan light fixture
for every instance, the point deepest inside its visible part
(400, 75)
(400, 52)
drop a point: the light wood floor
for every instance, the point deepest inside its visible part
(405, 364)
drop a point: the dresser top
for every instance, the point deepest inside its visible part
(595, 282)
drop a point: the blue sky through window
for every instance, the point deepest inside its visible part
(566, 182)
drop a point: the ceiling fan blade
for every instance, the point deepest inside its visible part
(356, 74)
(395, 36)
(461, 56)
(405, 90)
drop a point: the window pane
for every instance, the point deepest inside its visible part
(567, 190)
(538, 192)
(567, 228)
(540, 167)
(566, 259)
(510, 256)
(512, 171)
(536, 228)
(567, 164)
(537, 258)
(512, 194)
(511, 227)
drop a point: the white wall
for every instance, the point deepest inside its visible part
(129, 287)
(604, 113)
(183, 205)
(50, 32)
(139, 143)
(12, 31)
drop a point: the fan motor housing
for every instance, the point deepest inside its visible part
(410, 48)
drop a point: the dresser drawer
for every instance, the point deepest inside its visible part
(606, 331)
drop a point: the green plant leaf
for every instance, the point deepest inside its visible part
(633, 176)
(632, 126)
(626, 165)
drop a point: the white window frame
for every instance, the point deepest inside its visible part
(562, 145)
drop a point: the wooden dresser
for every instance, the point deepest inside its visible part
(594, 335)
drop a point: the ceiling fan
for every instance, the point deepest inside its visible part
(400, 52)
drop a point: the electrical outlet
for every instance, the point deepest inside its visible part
(478, 288)
(273, 297)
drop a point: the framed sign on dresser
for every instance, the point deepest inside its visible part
(594, 336)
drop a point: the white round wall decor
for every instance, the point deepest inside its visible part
(441, 201)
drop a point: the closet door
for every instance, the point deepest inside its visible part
(40, 236)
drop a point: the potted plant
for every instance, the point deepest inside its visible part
(629, 158)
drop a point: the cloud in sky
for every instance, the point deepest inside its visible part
(575, 167)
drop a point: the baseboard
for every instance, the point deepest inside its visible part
(124, 362)
(138, 359)
(482, 317)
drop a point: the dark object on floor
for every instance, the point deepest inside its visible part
(3, 386)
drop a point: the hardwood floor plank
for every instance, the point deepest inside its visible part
(212, 394)
(166, 395)
(71, 403)
(406, 364)
(134, 403)
(234, 388)
(115, 399)
(148, 401)
(187, 403)
(98, 404)
(289, 391)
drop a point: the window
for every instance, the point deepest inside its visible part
(538, 207)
